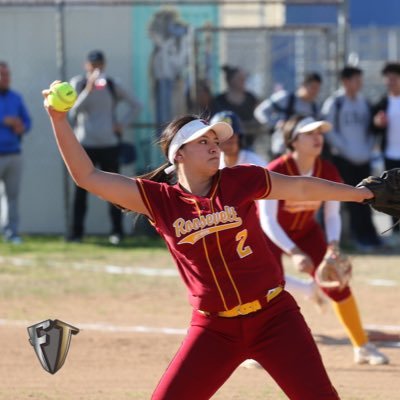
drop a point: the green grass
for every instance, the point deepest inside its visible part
(45, 266)
(56, 244)
(42, 249)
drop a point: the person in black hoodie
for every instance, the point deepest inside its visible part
(238, 99)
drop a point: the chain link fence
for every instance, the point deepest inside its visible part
(33, 38)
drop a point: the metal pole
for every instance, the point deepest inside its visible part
(60, 61)
(300, 55)
(343, 32)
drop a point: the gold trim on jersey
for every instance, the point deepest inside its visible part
(268, 184)
(145, 198)
(209, 261)
(226, 264)
(288, 165)
(216, 185)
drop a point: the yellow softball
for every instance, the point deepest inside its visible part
(62, 96)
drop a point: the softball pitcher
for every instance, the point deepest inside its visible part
(209, 222)
(293, 229)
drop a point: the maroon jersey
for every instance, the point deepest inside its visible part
(216, 240)
(295, 216)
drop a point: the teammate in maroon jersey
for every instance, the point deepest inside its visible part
(293, 229)
(209, 222)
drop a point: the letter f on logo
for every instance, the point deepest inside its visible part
(51, 340)
(38, 338)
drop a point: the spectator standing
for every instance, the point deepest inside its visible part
(351, 142)
(386, 119)
(238, 99)
(99, 131)
(14, 123)
(278, 108)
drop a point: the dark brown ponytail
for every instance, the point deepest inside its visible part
(158, 174)
(288, 130)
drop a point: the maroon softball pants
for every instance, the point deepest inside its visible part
(277, 337)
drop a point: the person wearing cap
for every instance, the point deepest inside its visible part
(208, 218)
(99, 130)
(292, 228)
(233, 150)
(351, 143)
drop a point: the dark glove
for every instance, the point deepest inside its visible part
(386, 190)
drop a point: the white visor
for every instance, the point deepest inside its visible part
(193, 130)
(309, 124)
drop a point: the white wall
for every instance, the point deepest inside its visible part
(28, 44)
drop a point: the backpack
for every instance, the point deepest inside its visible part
(338, 102)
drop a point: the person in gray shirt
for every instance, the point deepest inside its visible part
(97, 128)
(351, 142)
(278, 108)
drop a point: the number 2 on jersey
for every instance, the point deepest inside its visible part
(241, 249)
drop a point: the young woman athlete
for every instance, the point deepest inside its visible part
(209, 222)
(293, 229)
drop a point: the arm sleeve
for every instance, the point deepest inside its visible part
(266, 113)
(332, 220)
(261, 112)
(269, 222)
(80, 101)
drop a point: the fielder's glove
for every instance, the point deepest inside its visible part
(334, 272)
(386, 190)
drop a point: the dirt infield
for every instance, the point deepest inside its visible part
(112, 358)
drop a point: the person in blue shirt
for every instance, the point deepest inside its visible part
(14, 123)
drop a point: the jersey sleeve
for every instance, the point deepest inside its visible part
(152, 194)
(250, 181)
